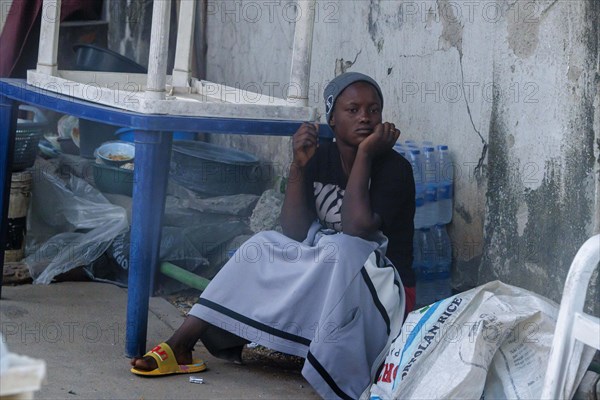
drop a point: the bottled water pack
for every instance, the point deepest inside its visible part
(433, 172)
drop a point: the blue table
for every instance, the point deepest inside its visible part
(153, 150)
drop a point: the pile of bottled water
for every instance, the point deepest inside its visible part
(433, 172)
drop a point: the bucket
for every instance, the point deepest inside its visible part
(20, 193)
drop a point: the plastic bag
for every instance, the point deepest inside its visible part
(86, 220)
(187, 247)
(492, 341)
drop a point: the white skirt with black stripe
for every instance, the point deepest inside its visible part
(333, 299)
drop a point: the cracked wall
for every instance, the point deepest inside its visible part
(542, 172)
(511, 87)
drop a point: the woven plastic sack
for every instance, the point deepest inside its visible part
(490, 342)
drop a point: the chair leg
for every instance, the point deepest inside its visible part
(48, 50)
(8, 117)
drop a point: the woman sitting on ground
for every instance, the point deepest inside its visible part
(335, 287)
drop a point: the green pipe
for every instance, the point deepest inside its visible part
(183, 276)
(595, 367)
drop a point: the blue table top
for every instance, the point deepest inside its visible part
(19, 90)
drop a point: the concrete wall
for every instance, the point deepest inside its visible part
(543, 175)
(130, 26)
(510, 86)
(130, 29)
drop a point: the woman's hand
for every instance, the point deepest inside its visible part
(383, 138)
(304, 143)
(297, 213)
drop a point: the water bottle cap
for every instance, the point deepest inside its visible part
(429, 148)
(442, 147)
(415, 151)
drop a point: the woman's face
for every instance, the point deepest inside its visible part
(356, 112)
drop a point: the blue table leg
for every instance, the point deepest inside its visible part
(152, 158)
(8, 109)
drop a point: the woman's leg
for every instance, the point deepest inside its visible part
(223, 344)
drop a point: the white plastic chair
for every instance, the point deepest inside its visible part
(572, 323)
(178, 93)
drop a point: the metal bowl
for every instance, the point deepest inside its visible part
(116, 153)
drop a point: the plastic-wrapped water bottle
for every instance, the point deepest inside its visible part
(443, 253)
(430, 167)
(414, 157)
(400, 149)
(429, 173)
(445, 186)
(410, 143)
(446, 166)
(425, 267)
(416, 251)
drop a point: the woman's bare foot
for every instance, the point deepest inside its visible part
(182, 343)
(183, 340)
(182, 355)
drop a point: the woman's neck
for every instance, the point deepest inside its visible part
(347, 156)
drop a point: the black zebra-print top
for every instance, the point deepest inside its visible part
(392, 196)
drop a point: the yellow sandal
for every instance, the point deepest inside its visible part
(167, 364)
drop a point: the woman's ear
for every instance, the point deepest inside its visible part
(332, 121)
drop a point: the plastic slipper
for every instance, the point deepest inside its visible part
(167, 364)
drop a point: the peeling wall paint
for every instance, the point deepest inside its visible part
(549, 170)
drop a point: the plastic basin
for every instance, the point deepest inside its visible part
(116, 153)
(93, 58)
(110, 179)
(215, 170)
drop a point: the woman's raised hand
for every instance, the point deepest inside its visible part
(383, 138)
(304, 143)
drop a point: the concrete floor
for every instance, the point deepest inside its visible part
(78, 328)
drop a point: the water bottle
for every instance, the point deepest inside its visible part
(414, 157)
(446, 167)
(430, 167)
(445, 185)
(443, 253)
(429, 173)
(425, 267)
(400, 149)
(416, 265)
(411, 143)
